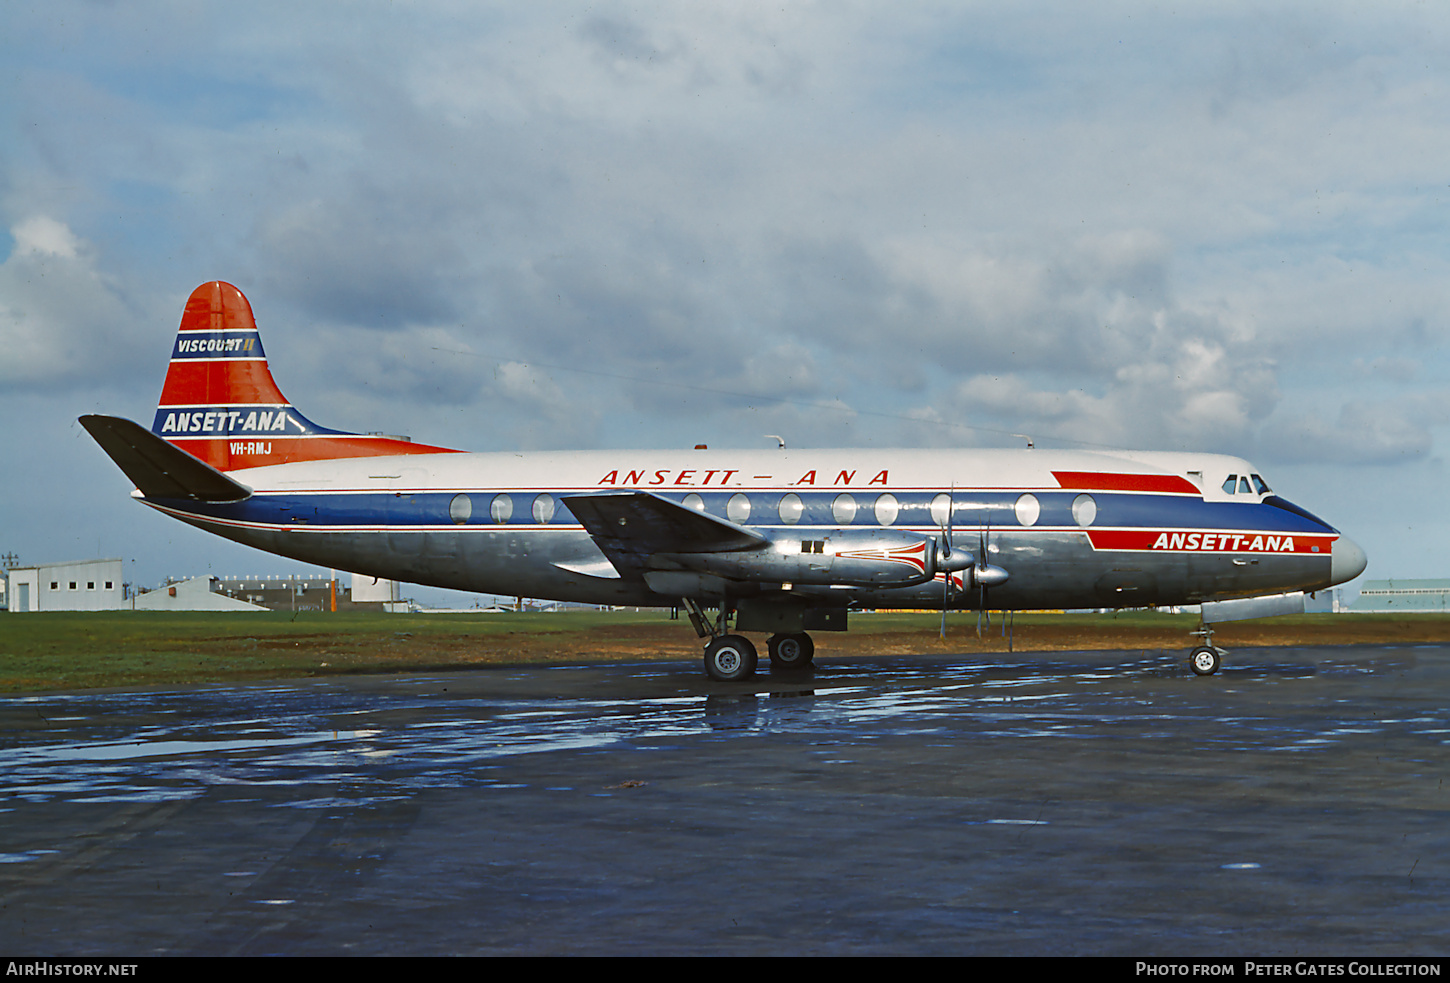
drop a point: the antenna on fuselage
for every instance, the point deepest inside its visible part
(779, 440)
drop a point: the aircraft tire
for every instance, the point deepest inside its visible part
(1204, 660)
(730, 657)
(791, 651)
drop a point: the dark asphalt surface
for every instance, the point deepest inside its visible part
(1103, 803)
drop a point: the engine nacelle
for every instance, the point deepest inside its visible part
(868, 558)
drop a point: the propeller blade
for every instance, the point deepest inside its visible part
(946, 586)
(946, 539)
(977, 573)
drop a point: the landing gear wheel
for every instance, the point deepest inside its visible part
(730, 657)
(1204, 660)
(791, 651)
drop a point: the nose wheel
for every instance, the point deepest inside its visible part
(1206, 658)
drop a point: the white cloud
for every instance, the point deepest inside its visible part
(1381, 432)
(45, 236)
(62, 322)
(1121, 224)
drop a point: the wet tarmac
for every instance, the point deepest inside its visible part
(1106, 803)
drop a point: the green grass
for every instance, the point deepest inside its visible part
(86, 650)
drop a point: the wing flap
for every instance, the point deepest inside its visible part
(160, 469)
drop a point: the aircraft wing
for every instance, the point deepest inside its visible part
(630, 526)
(158, 468)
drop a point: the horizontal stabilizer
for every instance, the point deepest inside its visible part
(158, 468)
(640, 523)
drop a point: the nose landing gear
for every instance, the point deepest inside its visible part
(1205, 659)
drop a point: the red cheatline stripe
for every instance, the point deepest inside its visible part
(1110, 481)
(1209, 541)
(217, 451)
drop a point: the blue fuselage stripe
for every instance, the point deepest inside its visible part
(405, 509)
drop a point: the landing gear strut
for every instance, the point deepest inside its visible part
(1206, 658)
(730, 657)
(727, 657)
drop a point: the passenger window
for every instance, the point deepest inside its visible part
(1028, 509)
(693, 501)
(1231, 483)
(460, 510)
(941, 507)
(791, 508)
(886, 509)
(843, 509)
(738, 508)
(501, 509)
(543, 509)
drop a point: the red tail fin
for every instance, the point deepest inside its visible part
(220, 404)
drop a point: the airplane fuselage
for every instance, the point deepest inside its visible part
(1075, 529)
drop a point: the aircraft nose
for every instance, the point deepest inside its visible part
(1347, 561)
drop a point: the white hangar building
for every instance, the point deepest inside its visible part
(84, 585)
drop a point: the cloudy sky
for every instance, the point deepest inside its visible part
(500, 226)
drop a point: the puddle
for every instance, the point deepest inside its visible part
(176, 744)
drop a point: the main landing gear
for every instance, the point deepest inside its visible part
(730, 657)
(1206, 658)
(791, 651)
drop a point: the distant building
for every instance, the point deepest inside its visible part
(312, 593)
(196, 594)
(1428, 596)
(82, 585)
(375, 593)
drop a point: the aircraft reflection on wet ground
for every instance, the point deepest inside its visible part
(1281, 761)
(163, 744)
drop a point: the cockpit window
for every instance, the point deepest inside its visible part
(1238, 484)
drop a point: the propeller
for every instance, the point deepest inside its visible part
(985, 574)
(948, 562)
(946, 559)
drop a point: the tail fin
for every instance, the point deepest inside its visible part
(221, 405)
